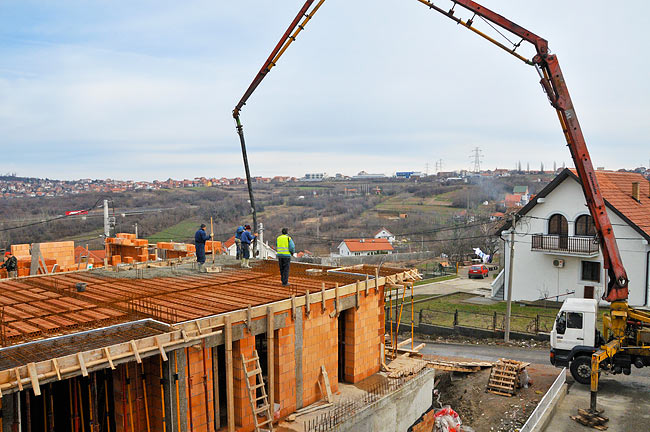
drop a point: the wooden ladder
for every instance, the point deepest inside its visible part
(263, 409)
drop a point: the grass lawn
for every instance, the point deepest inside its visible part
(440, 311)
(435, 279)
(181, 232)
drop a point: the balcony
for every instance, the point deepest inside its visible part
(565, 245)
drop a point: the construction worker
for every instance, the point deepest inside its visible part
(238, 233)
(285, 249)
(11, 264)
(200, 237)
(246, 239)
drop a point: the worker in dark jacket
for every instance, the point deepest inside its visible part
(238, 233)
(11, 264)
(200, 237)
(285, 249)
(246, 240)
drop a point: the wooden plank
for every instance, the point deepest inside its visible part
(326, 381)
(404, 342)
(33, 376)
(163, 354)
(19, 381)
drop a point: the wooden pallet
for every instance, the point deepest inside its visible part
(591, 419)
(504, 377)
(259, 405)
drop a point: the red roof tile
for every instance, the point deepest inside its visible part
(368, 245)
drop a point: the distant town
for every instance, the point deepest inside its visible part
(13, 186)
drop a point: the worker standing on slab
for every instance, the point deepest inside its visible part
(246, 239)
(200, 237)
(285, 248)
(238, 233)
(11, 264)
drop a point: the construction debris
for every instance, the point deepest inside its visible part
(404, 366)
(504, 377)
(591, 419)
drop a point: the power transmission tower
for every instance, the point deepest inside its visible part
(438, 165)
(426, 169)
(477, 155)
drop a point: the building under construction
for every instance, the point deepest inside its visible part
(170, 349)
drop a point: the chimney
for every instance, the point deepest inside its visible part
(636, 191)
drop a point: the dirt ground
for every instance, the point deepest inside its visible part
(487, 412)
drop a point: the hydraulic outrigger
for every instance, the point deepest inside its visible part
(616, 324)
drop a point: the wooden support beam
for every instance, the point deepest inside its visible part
(136, 354)
(249, 317)
(107, 353)
(55, 366)
(270, 354)
(163, 354)
(322, 298)
(33, 376)
(293, 307)
(230, 395)
(356, 296)
(82, 364)
(19, 380)
(307, 303)
(338, 300)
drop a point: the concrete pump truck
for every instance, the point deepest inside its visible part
(575, 341)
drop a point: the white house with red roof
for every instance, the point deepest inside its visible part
(364, 247)
(266, 251)
(385, 234)
(556, 254)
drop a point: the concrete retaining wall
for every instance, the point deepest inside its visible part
(397, 411)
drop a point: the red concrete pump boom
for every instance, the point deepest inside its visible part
(554, 85)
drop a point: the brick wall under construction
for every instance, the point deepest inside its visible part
(188, 392)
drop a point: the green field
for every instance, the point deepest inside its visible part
(181, 232)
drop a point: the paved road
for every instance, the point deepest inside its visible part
(454, 285)
(487, 352)
(626, 399)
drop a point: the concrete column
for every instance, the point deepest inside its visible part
(298, 355)
(169, 393)
(181, 371)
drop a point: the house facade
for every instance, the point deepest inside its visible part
(364, 247)
(385, 234)
(556, 254)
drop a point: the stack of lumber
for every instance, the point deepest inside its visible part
(458, 366)
(591, 419)
(401, 348)
(504, 377)
(405, 366)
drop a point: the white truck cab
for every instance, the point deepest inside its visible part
(574, 337)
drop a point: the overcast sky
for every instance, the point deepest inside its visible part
(145, 89)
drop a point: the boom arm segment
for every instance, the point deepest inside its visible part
(556, 89)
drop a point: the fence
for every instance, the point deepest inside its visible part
(487, 321)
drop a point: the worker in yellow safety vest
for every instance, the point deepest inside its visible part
(285, 248)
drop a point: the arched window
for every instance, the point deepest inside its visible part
(585, 226)
(558, 225)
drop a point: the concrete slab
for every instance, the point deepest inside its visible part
(480, 300)
(626, 400)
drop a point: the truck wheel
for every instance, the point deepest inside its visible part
(581, 369)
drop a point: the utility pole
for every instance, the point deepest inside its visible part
(511, 268)
(260, 238)
(107, 228)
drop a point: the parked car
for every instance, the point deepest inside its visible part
(478, 271)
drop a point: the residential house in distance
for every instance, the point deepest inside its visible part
(266, 251)
(523, 191)
(383, 233)
(556, 254)
(364, 247)
(314, 177)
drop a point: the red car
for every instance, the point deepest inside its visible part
(477, 271)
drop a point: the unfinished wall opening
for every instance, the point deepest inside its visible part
(261, 346)
(219, 371)
(81, 403)
(342, 359)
